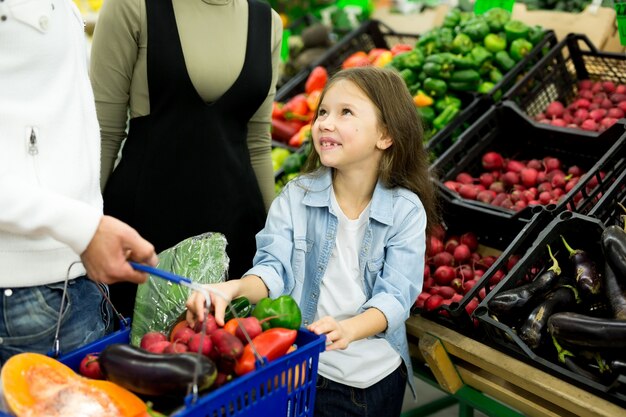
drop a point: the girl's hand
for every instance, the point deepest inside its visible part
(337, 336)
(196, 302)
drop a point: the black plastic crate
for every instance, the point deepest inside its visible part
(369, 35)
(503, 129)
(504, 242)
(556, 75)
(581, 232)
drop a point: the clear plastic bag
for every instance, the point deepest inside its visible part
(160, 303)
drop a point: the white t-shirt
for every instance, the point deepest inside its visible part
(366, 361)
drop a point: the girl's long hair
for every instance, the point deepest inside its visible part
(405, 163)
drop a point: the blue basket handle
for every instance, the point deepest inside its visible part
(161, 273)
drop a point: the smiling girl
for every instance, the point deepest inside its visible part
(347, 238)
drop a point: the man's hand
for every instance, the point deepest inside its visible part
(112, 246)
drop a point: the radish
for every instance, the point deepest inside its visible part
(468, 191)
(608, 86)
(471, 306)
(581, 103)
(499, 198)
(620, 89)
(597, 114)
(446, 292)
(582, 114)
(586, 94)
(439, 232)
(575, 171)
(452, 185)
(497, 187)
(606, 104)
(554, 109)
(443, 259)
(464, 178)
(478, 273)
(492, 161)
(507, 204)
(158, 347)
(551, 163)
(519, 205)
(457, 284)
(198, 340)
(510, 178)
(456, 298)
(515, 166)
(571, 184)
(528, 176)
(470, 240)
(176, 347)
(444, 275)
(434, 246)
(183, 335)
(486, 196)
(465, 272)
(545, 197)
(433, 302)
(615, 112)
(589, 125)
(544, 186)
(496, 277)
(151, 338)
(622, 105)
(585, 84)
(468, 285)
(617, 97)
(486, 179)
(558, 180)
(558, 122)
(535, 164)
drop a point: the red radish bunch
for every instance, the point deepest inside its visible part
(598, 106)
(519, 183)
(454, 265)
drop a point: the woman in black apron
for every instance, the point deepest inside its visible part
(185, 168)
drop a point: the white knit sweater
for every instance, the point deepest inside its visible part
(50, 202)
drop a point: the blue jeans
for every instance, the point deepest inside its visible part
(383, 399)
(29, 317)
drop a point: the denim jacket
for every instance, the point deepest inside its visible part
(294, 248)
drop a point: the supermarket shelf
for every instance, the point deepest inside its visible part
(532, 392)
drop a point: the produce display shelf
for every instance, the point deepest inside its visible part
(505, 130)
(581, 232)
(523, 387)
(283, 387)
(556, 75)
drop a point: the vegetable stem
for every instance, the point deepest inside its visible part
(568, 247)
(555, 266)
(561, 352)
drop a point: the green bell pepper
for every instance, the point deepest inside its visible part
(476, 28)
(427, 114)
(445, 117)
(284, 312)
(520, 48)
(446, 38)
(429, 43)
(479, 55)
(495, 75)
(504, 61)
(485, 87)
(464, 80)
(432, 69)
(462, 44)
(408, 76)
(515, 29)
(494, 43)
(414, 88)
(536, 34)
(446, 101)
(497, 18)
(412, 60)
(435, 87)
(242, 307)
(463, 62)
(452, 18)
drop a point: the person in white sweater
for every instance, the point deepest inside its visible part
(52, 227)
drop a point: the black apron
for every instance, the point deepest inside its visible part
(185, 168)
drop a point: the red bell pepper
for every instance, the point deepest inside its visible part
(297, 108)
(357, 59)
(399, 48)
(271, 344)
(316, 80)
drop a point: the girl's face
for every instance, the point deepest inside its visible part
(346, 134)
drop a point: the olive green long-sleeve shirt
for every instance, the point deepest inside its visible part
(213, 38)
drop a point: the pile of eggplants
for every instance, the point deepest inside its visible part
(578, 317)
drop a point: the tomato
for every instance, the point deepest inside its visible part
(90, 367)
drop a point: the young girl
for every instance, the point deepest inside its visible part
(347, 239)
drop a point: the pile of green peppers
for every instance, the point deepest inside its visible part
(467, 53)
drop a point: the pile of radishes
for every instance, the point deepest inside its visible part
(453, 267)
(515, 184)
(597, 107)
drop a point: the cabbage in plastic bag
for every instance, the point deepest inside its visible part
(159, 303)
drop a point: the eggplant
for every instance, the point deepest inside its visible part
(614, 248)
(534, 328)
(589, 332)
(155, 374)
(614, 292)
(588, 279)
(518, 297)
